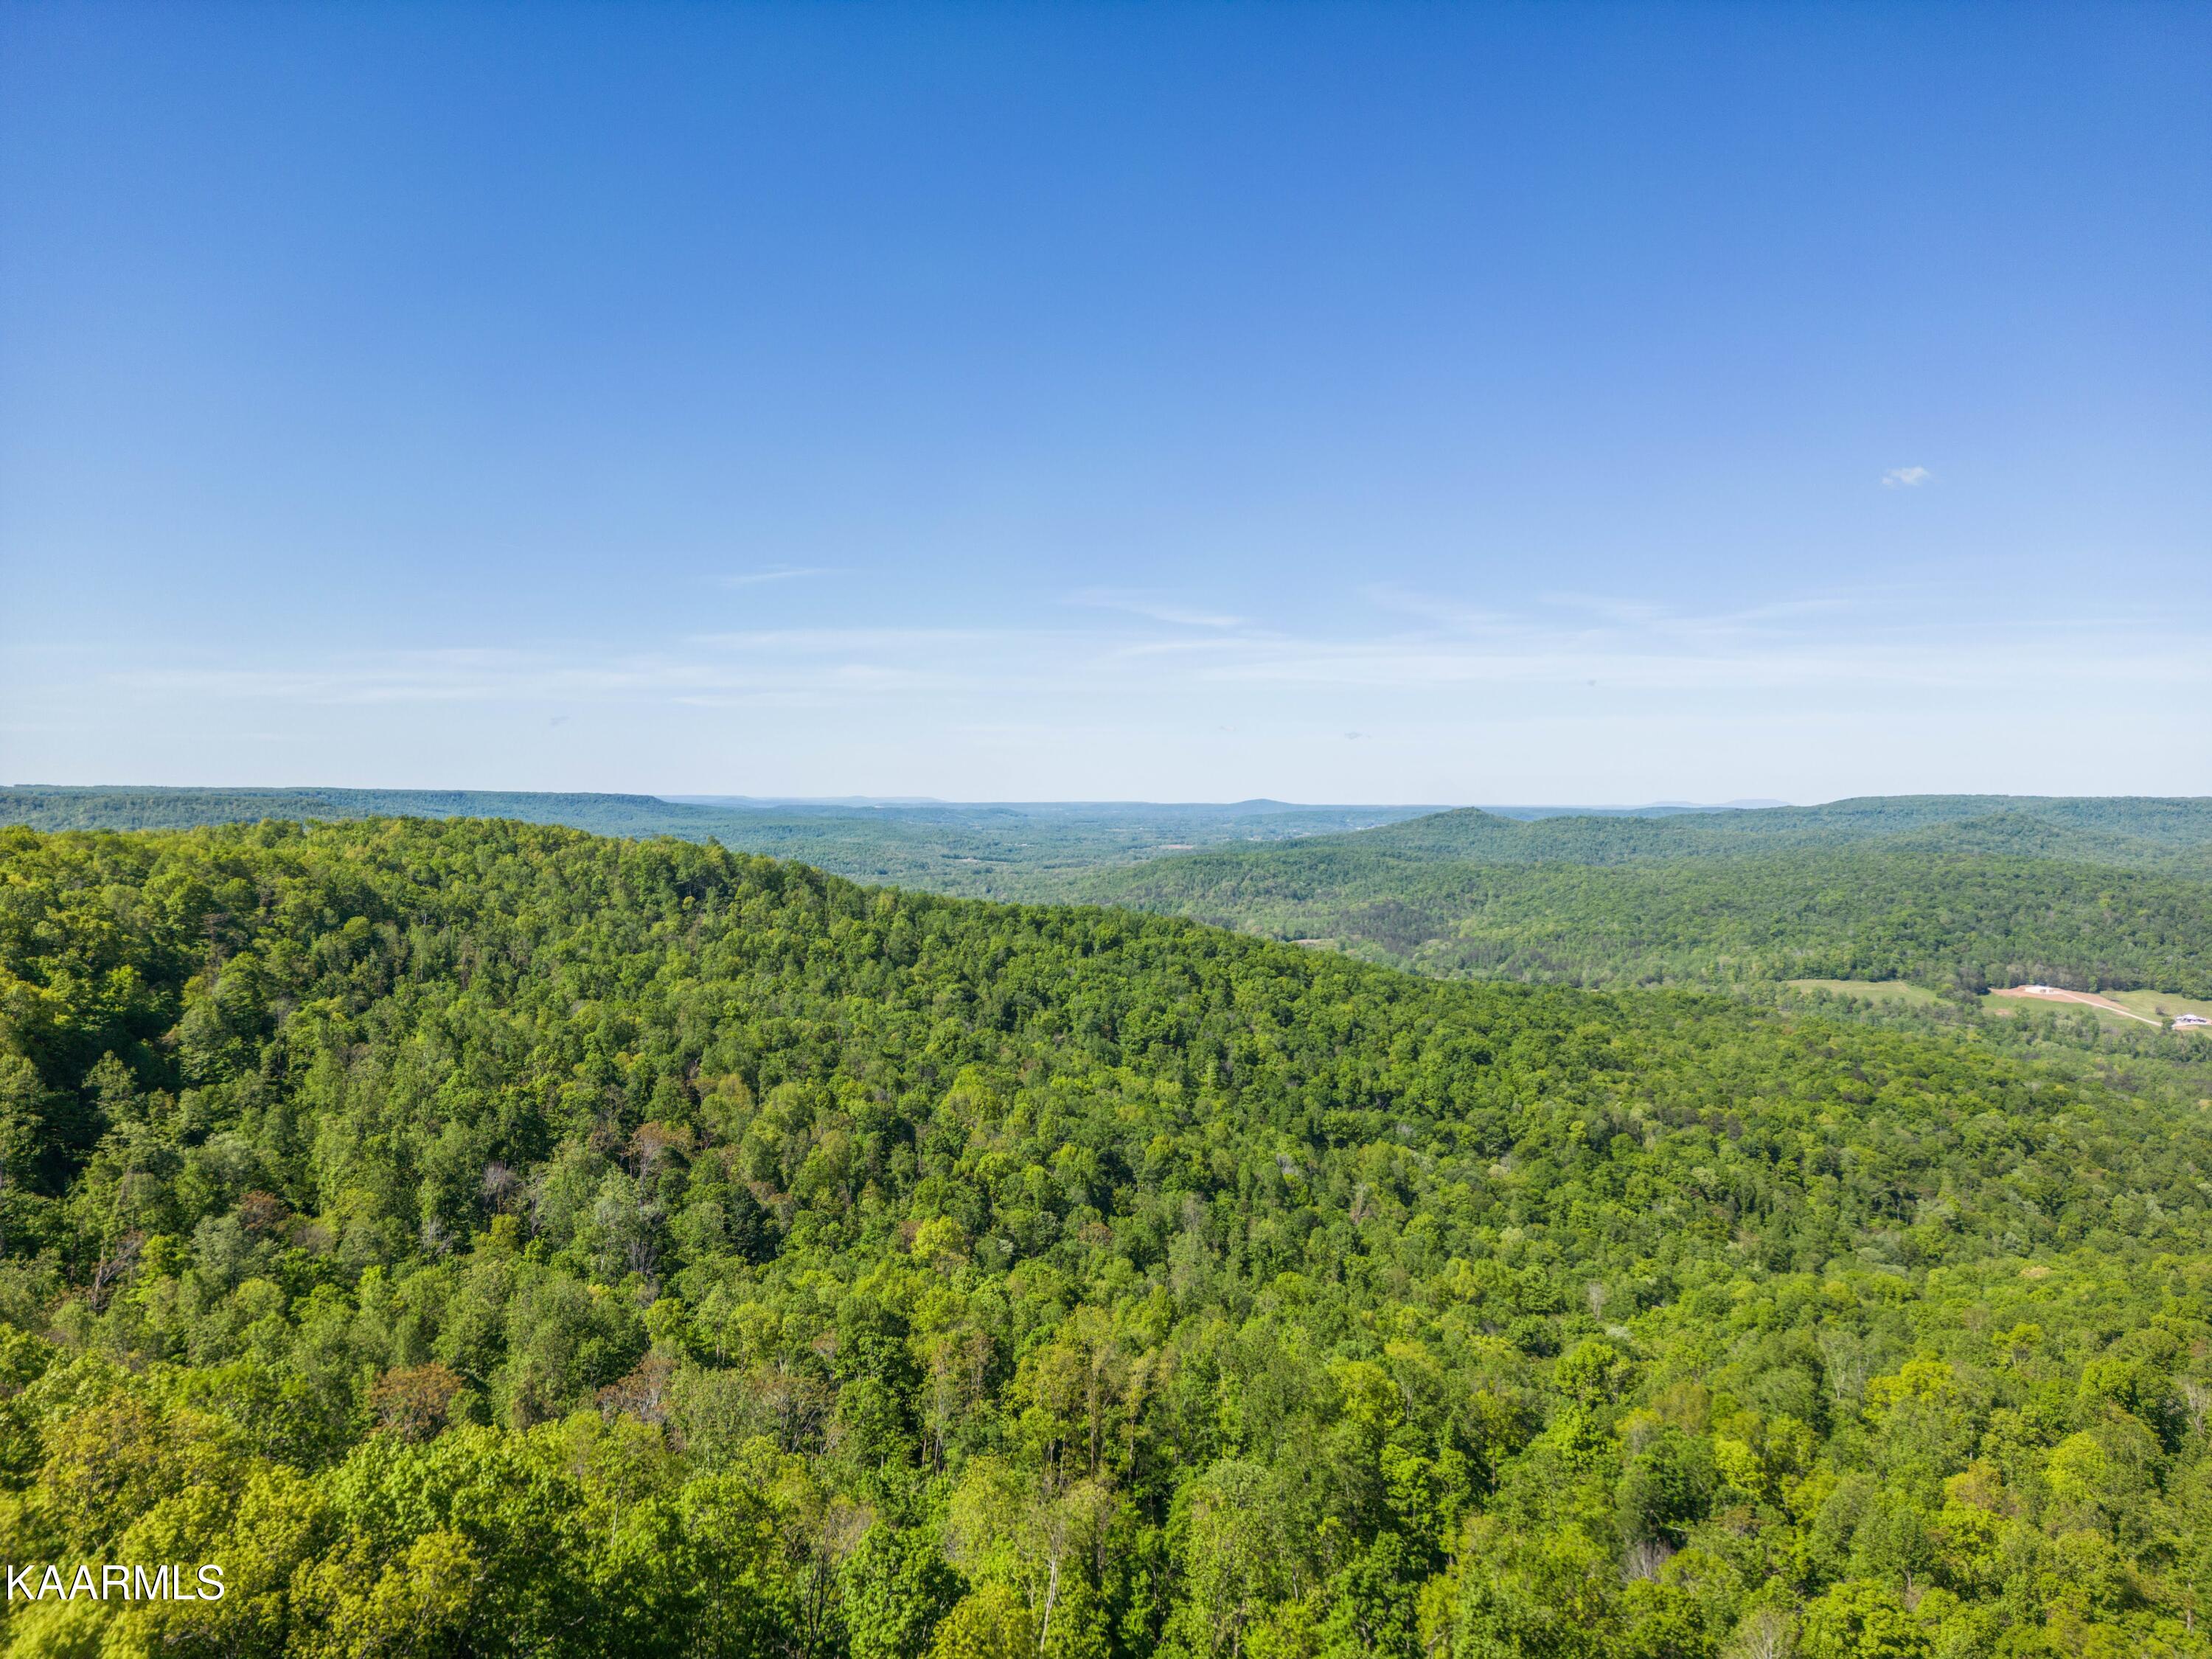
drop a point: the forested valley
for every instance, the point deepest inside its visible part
(485, 1239)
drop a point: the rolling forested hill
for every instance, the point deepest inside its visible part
(483, 1238)
(2120, 829)
(2088, 893)
(1956, 893)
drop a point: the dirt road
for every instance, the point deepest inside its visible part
(2052, 993)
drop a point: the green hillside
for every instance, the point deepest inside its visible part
(1942, 919)
(482, 1238)
(2094, 894)
(2109, 829)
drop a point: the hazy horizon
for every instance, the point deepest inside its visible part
(681, 797)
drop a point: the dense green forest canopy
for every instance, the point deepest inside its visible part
(483, 1238)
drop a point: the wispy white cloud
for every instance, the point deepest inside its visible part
(1151, 608)
(818, 642)
(1816, 647)
(780, 573)
(1905, 477)
(1562, 696)
(1809, 694)
(1451, 614)
(733, 668)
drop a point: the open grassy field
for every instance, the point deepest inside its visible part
(2065, 993)
(1891, 992)
(2014, 1008)
(2145, 1010)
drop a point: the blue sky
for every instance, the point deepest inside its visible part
(1490, 403)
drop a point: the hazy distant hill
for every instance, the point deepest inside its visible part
(132, 808)
(991, 850)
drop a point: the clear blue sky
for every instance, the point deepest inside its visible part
(1542, 401)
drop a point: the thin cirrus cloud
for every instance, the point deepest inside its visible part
(779, 573)
(1501, 694)
(1905, 477)
(1151, 608)
(1813, 647)
(826, 665)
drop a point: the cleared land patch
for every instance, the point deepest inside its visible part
(2007, 1007)
(2054, 994)
(1897, 992)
